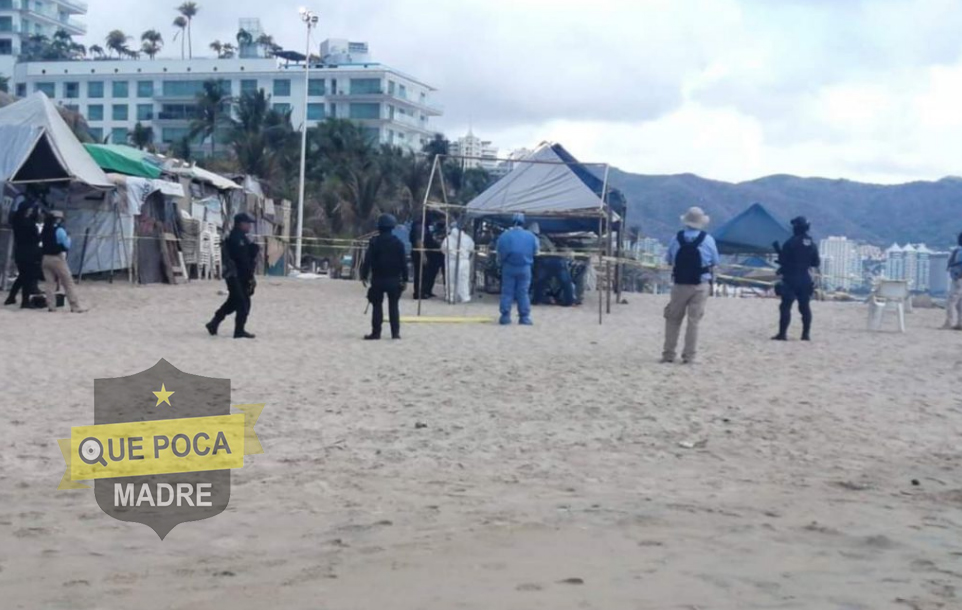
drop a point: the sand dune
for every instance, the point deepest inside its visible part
(548, 470)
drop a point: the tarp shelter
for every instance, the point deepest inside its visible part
(751, 232)
(37, 145)
(125, 160)
(552, 187)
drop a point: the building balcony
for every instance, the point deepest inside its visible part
(77, 7)
(71, 26)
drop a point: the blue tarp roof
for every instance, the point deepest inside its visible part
(751, 232)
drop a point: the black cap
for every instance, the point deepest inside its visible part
(386, 222)
(243, 217)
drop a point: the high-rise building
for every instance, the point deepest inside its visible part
(503, 168)
(21, 19)
(475, 153)
(841, 263)
(114, 95)
(911, 264)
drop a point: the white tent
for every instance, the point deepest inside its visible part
(38, 146)
(547, 182)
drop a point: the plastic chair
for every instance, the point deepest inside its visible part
(889, 295)
(205, 256)
(216, 255)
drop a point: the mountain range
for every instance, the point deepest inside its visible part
(916, 212)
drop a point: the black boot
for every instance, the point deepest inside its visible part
(212, 327)
(780, 337)
(11, 300)
(372, 337)
(243, 334)
(807, 335)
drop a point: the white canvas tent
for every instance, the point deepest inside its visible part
(38, 146)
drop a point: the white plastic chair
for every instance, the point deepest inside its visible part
(216, 256)
(205, 256)
(889, 295)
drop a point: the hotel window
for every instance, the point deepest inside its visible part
(402, 92)
(95, 112)
(145, 88)
(282, 108)
(333, 112)
(121, 89)
(248, 86)
(316, 87)
(391, 87)
(49, 89)
(21, 90)
(6, 47)
(365, 111)
(145, 112)
(183, 88)
(373, 134)
(97, 133)
(170, 135)
(365, 86)
(120, 112)
(118, 135)
(71, 91)
(6, 23)
(315, 112)
(282, 87)
(95, 89)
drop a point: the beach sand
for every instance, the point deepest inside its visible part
(478, 467)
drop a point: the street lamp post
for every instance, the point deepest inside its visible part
(310, 19)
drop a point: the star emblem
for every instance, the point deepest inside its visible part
(163, 396)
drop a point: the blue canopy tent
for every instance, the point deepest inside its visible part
(751, 232)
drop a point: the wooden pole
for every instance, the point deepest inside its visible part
(83, 255)
(608, 245)
(424, 220)
(447, 224)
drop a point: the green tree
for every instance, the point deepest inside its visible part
(97, 51)
(181, 24)
(213, 106)
(141, 137)
(262, 138)
(188, 11)
(4, 83)
(116, 41)
(438, 145)
(152, 43)
(181, 149)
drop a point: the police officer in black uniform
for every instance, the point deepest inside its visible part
(24, 218)
(240, 263)
(386, 266)
(797, 257)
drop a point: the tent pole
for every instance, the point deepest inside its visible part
(620, 271)
(424, 220)
(447, 224)
(601, 258)
(608, 245)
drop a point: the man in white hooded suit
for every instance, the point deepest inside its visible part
(458, 248)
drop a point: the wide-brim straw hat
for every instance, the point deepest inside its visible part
(696, 218)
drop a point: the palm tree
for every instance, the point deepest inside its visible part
(262, 138)
(97, 51)
(141, 137)
(266, 41)
(117, 41)
(189, 10)
(228, 51)
(217, 47)
(153, 42)
(4, 83)
(181, 24)
(244, 39)
(211, 105)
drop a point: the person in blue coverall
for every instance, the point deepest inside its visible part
(517, 249)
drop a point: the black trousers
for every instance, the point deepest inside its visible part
(238, 301)
(800, 291)
(377, 294)
(29, 274)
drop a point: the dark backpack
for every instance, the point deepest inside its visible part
(689, 268)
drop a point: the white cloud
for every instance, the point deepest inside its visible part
(730, 89)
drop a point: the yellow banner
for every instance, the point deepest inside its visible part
(167, 446)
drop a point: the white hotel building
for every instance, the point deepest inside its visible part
(114, 95)
(20, 19)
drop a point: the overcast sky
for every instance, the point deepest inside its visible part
(728, 89)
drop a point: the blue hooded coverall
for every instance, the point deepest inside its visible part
(517, 249)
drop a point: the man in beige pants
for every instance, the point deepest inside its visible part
(55, 243)
(692, 254)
